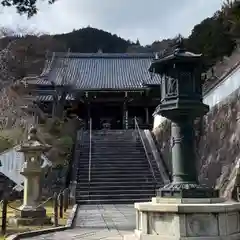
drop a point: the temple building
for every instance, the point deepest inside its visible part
(107, 88)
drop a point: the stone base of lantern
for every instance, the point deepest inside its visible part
(30, 216)
(186, 219)
(17, 221)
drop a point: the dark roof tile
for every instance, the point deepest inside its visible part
(49, 98)
(100, 70)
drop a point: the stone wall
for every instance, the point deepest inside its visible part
(219, 142)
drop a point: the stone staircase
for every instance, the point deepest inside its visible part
(120, 170)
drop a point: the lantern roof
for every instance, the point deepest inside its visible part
(33, 144)
(180, 54)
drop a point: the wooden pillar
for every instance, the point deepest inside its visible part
(125, 112)
(88, 114)
(147, 115)
(125, 115)
(54, 104)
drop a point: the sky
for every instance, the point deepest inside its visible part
(131, 19)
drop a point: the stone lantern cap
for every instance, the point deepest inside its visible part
(33, 144)
(180, 54)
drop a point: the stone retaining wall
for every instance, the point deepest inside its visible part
(219, 143)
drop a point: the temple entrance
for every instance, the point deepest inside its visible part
(106, 117)
(112, 115)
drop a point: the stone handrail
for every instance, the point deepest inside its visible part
(137, 129)
(161, 166)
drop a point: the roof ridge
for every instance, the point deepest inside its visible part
(104, 55)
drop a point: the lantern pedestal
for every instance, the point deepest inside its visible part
(186, 219)
(31, 212)
(30, 217)
(187, 190)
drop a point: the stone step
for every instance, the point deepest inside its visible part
(113, 171)
(115, 147)
(112, 148)
(141, 169)
(113, 175)
(128, 146)
(107, 136)
(116, 170)
(115, 139)
(112, 142)
(112, 201)
(149, 190)
(119, 183)
(117, 166)
(129, 187)
(117, 196)
(120, 172)
(113, 156)
(112, 160)
(118, 180)
(117, 154)
(83, 177)
(110, 132)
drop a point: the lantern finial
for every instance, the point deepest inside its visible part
(179, 44)
(32, 134)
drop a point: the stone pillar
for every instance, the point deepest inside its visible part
(31, 212)
(183, 152)
(73, 192)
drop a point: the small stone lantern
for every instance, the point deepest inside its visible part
(181, 102)
(30, 211)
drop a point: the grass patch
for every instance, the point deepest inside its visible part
(18, 229)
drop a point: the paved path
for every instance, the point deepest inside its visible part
(98, 222)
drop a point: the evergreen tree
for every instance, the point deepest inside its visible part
(24, 6)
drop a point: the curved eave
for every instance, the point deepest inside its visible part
(130, 89)
(158, 65)
(151, 85)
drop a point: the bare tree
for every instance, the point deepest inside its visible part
(23, 54)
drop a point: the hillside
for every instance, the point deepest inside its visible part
(89, 40)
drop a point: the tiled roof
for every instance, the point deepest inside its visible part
(100, 71)
(49, 98)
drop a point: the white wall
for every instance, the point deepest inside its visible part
(216, 95)
(12, 163)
